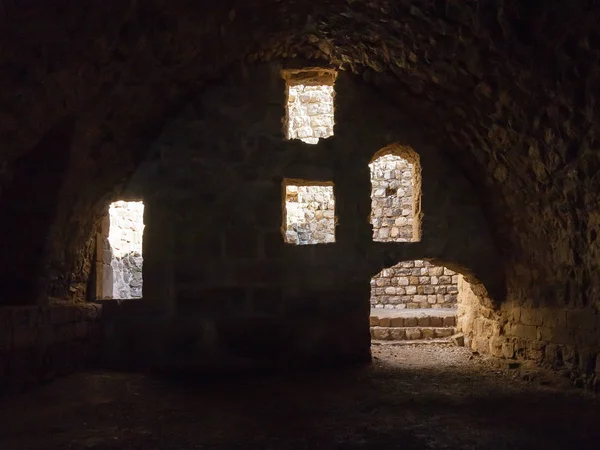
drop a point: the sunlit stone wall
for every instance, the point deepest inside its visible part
(125, 238)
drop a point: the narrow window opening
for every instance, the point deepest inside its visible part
(309, 215)
(395, 195)
(125, 241)
(310, 111)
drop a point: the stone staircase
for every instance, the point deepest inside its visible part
(412, 325)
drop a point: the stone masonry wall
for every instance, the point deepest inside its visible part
(39, 343)
(560, 338)
(125, 237)
(310, 112)
(215, 259)
(103, 262)
(414, 284)
(392, 199)
(310, 215)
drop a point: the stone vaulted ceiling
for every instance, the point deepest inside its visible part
(507, 87)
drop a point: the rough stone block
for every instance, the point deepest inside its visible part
(436, 321)
(423, 321)
(373, 321)
(410, 322)
(397, 334)
(397, 322)
(241, 243)
(458, 339)
(553, 317)
(81, 329)
(420, 299)
(508, 349)
(424, 280)
(448, 298)
(449, 321)
(427, 333)
(92, 312)
(64, 333)
(525, 331)
(24, 337)
(583, 319)
(556, 335)
(5, 339)
(272, 244)
(413, 333)
(530, 316)
(381, 333)
(436, 271)
(267, 300)
(443, 332)
(384, 321)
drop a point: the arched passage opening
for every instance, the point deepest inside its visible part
(418, 301)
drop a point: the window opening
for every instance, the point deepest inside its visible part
(125, 240)
(309, 216)
(395, 197)
(309, 105)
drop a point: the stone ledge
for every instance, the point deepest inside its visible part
(413, 318)
(410, 333)
(445, 341)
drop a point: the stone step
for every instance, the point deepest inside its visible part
(410, 333)
(441, 341)
(407, 322)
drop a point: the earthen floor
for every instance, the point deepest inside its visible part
(413, 397)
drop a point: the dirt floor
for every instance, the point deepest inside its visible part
(431, 396)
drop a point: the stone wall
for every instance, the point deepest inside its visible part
(392, 213)
(125, 238)
(310, 112)
(310, 215)
(39, 343)
(414, 284)
(215, 259)
(103, 273)
(561, 338)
